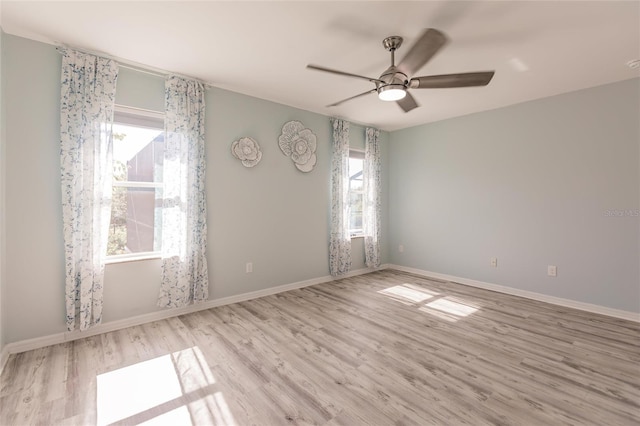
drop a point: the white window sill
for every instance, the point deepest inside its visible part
(133, 257)
(357, 236)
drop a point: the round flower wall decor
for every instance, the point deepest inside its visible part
(247, 150)
(299, 144)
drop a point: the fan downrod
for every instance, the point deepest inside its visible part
(391, 44)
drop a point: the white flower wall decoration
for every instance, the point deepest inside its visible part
(299, 144)
(247, 150)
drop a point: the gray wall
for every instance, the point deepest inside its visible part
(532, 185)
(271, 215)
(34, 287)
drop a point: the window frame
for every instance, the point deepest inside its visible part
(136, 117)
(356, 153)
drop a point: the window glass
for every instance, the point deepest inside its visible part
(137, 153)
(356, 192)
(136, 209)
(136, 215)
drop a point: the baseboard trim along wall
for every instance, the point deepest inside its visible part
(567, 303)
(40, 342)
(53, 339)
(4, 356)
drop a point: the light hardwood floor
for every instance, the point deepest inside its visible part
(387, 348)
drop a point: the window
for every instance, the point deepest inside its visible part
(356, 192)
(136, 209)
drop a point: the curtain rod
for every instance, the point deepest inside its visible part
(134, 66)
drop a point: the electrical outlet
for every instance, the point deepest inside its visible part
(552, 271)
(494, 262)
(249, 268)
(401, 248)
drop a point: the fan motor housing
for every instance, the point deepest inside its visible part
(394, 77)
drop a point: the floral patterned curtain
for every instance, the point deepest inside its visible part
(340, 240)
(184, 227)
(87, 95)
(372, 185)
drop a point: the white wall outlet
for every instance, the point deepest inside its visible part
(401, 248)
(552, 271)
(249, 268)
(494, 262)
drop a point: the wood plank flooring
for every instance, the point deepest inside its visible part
(387, 348)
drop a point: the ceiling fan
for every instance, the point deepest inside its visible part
(394, 83)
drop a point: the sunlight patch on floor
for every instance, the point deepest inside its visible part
(453, 307)
(449, 309)
(408, 294)
(139, 387)
(173, 389)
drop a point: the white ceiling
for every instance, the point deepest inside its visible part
(537, 48)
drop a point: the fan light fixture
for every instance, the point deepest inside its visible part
(392, 92)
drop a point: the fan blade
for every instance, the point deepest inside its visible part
(319, 68)
(408, 103)
(353, 97)
(452, 80)
(427, 45)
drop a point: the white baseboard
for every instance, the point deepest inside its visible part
(568, 303)
(4, 356)
(40, 342)
(53, 339)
